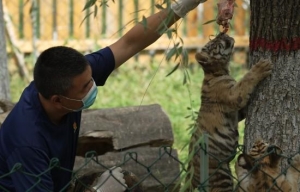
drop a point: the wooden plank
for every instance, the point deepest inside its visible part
(192, 23)
(96, 24)
(46, 20)
(27, 20)
(62, 19)
(11, 37)
(150, 165)
(128, 15)
(79, 32)
(123, 128)
(112, 20)
(208, 14)
(239, 19)
(13, 12)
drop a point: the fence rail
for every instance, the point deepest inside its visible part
(39, 24)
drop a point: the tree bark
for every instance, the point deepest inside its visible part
(4, 78)
(273, 112)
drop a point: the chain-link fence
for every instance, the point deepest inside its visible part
(165, 172)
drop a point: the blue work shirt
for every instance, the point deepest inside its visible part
(46, 151)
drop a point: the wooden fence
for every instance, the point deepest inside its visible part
(46, 23)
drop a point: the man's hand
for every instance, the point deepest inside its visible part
(111, 181)
(182, 7)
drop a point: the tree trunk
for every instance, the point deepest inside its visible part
(4, 78)
(273, 113)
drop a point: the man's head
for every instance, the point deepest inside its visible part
(63, 76)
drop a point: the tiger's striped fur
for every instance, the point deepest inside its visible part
(260, 170)
(221, 99)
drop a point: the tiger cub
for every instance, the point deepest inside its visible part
(260, 170)
(221, 99)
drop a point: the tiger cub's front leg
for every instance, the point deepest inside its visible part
(239, 94)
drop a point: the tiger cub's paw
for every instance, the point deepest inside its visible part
(262, 68)
(296, 162)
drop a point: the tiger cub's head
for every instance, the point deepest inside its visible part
(215, 55)
(261, 155)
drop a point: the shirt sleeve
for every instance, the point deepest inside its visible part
(102, 63)
(31, 170)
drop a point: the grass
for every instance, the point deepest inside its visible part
(135, 84)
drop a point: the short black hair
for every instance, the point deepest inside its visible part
(55, 69)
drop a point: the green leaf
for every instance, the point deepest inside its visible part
(169, 34)
(187, 75)
(145, 23)
(89, 3)
(158, 6)
(95, 11)
(184, 79)
(103, 3)
(181, 40)
(210, 21)
(179, 51)
(172, 52)
(173, 70)
(185, 57)
(85, 18)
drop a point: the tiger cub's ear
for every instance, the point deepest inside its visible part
(275, 155)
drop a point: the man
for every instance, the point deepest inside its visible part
(44, 124)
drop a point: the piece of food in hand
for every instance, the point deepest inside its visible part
(225, 13)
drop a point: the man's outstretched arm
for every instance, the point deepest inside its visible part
(139, 37)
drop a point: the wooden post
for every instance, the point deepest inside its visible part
(13, 40)
(128, 15)
(192, 23)
(79, 32)
(46, 20)
(192, 30)
(208, 14)
(113, 19)
(240, 54)
(13, 10)
(62, 21)
(239, 19)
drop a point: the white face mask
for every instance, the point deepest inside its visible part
(88, 99)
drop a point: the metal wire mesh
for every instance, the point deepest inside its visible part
(86, 173)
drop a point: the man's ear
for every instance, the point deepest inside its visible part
(55, 100)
